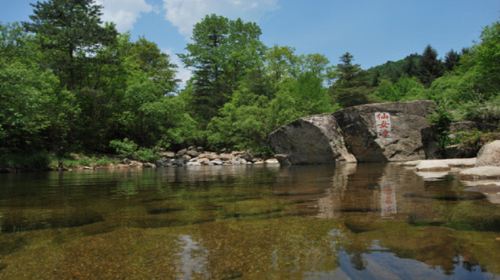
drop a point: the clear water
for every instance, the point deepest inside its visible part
(316, 222)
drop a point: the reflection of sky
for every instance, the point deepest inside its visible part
(382, 264)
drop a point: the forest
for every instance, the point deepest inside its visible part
(70, 83)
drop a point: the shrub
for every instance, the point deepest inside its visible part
(124, 148)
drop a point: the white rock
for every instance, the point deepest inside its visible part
(489, 155)
(433, 165)
(272, 161)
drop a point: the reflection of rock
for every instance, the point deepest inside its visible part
(489, 154)
(311, 140)
(432, 175)
(479, 173)
(193, 258)
(329, 204)
(490, 190)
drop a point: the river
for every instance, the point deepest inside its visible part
(365, 221)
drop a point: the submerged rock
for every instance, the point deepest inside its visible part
(55, 219)
(489, 154)
(311, 140)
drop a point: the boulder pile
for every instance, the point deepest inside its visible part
(197, 156)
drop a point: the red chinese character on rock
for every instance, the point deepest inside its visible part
(382, 116)
(385, 133)
(384, 124)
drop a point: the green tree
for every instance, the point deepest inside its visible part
(221, 54)
(430, 67)
(351, 86)
(70, 33)
(451, 60)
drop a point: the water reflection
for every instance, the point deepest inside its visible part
(367, 221)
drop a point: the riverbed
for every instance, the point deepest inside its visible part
(365, 221)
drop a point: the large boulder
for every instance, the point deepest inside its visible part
(489, 154)
(388, 131)
(311, 140)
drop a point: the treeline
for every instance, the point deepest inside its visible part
(71, 83)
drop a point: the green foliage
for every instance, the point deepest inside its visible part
(441, 120)
(124, 148)
(404, 89)
(128, 149)
(38, 160)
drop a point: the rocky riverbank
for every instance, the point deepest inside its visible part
(197, 156)
(192, 156)
(480, 174)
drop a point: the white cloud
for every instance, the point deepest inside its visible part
(184, 14)
(183, 73)
(124, 13)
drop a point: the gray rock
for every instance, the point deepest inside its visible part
(226, 156)
(204, 161)
(193, 163)
(167, 154)
(180, 153)
(311, 140)
(217, 162)
(149, 165)
(462, 126)
(460, 151)
(178, 162)
(283, 159)
(489, 154)
(193, 153)
(401, 137)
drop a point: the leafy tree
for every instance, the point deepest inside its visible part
(405, 88)
(220, 55)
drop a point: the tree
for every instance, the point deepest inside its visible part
(451, 60)
(221, 53)
(430, 67)
(351, 86)
(70, 34)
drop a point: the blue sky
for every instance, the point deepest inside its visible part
(374, 31)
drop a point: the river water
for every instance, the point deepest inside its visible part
(365, 221)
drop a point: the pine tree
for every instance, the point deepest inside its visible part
(430, 67)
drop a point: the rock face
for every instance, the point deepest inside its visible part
(489, 154)
(387, 131)
(367, 133)
(311, 140)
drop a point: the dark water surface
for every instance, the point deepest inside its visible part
(318, 222)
